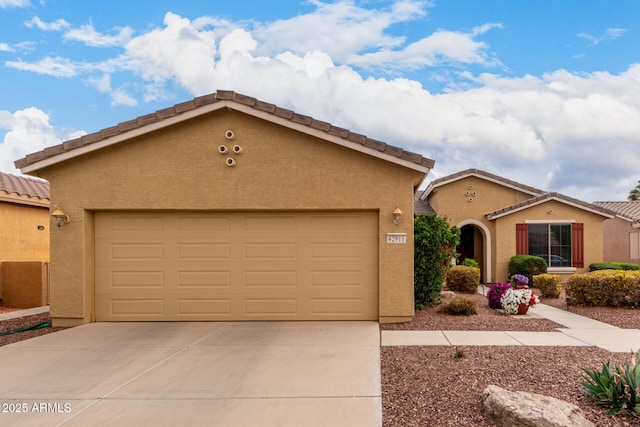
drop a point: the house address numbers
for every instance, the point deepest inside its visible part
(396, 238)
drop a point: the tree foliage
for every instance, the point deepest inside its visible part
(634, 194)
(435, 243)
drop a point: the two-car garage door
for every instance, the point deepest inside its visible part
(236, 266)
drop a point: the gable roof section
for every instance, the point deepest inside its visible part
(482, 175)
(212, 102)
(526, 204)
(23, 190)
(629, 210)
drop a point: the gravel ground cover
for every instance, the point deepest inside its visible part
(487, 319)
(428, 386)
(21, 322)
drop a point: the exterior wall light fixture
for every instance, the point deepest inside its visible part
(397, 213)
(60, 217)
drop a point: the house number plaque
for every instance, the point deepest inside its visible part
(396, 238)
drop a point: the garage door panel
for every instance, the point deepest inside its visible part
(268, 224)
(139, 223)
(204, 251)
(261, 279)
(204, 308)
(236, 266)
(138, 278)
(204, 279)
(197, 224)
(138, 307)
(270, 250)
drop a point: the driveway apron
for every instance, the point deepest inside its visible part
(195, 373)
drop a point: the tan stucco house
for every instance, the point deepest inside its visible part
(24, 219)
(500, 218)
(229, 208)
(622, 233)
(24, 241)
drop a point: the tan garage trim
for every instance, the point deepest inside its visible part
(236, 266)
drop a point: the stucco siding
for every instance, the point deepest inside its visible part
(617, 245)
(180, 168)
(20, 238)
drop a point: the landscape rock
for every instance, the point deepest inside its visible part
(523, 409)
(447, 295)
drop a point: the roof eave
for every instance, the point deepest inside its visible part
(424, 167)
(23, 200)
(493, 215)
(433, 185)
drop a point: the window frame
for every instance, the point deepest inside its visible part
(570, 222)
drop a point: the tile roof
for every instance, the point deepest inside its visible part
(24, 186)
(629, 210)
(484, 175)
(228, 98)
(546, 197)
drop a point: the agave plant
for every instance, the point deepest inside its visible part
(618, 388)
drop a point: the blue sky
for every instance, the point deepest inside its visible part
(543, 92)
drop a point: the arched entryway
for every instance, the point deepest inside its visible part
(475, 243)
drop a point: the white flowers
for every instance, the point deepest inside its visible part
(514, 297)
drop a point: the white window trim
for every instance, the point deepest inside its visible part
(561, 270)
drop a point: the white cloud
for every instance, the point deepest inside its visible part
(56, 67)
(4, 47)
(120, 97)
(29, 131)
(439, 47)
(342, 29)
(57, 25)
(14, 3)
(179, 51)
(609, 34)
(103, 84)
(89, 36)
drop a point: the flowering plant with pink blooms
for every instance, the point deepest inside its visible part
(495, 292)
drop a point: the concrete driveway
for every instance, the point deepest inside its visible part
(195, 373)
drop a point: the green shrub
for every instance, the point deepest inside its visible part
(470, 262)
(463, 279)
(434, 242)
(618, 388)
(613, 266)
(527, 265)
(549, 285)
(460, 306)
(610, 288)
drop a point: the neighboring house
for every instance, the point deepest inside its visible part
(229, 208)
(24, 219)
(500, 218)
(622, 233)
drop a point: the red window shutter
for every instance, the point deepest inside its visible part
(522, 239)
(577, 245)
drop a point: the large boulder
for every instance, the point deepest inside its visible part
(523, 409)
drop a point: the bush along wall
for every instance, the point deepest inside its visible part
(613, 266)
(549, 285)
(527, 265)
(435, 242)
(610, 288)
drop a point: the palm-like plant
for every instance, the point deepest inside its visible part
(618, 388)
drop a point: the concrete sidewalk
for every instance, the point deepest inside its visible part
(578, 331)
